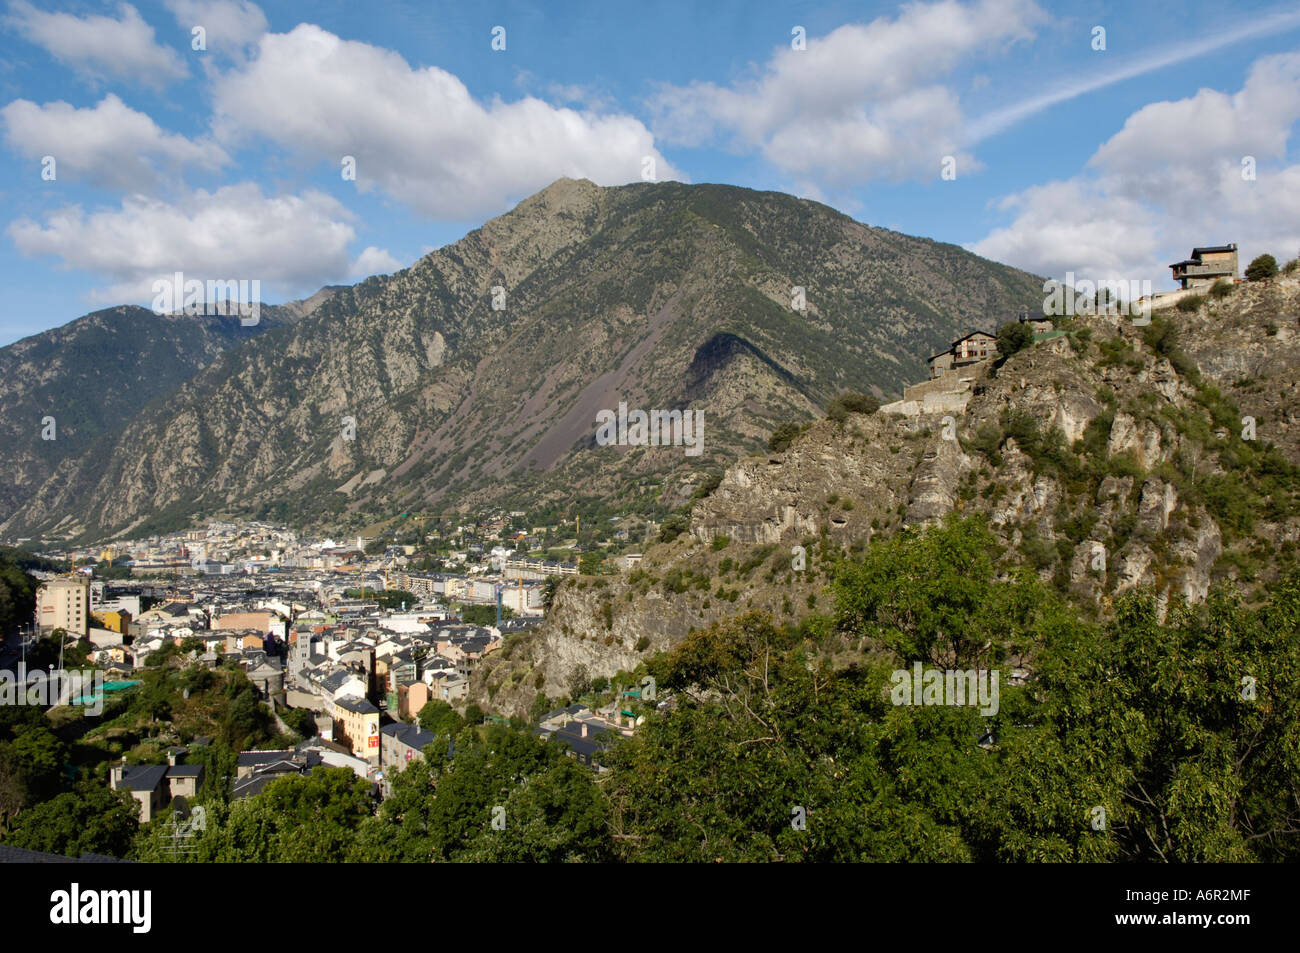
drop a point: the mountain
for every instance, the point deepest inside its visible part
(476, 375)
(1105, 457)
(95, 374)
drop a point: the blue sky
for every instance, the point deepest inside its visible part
(225, 162)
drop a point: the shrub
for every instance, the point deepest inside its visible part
(1014, 336)
(720, 543)
(782, 436)
(672, 527)
(1262, 268)
(1038, 552)
(839, 409)
(1191, 303)
(1161, 335)
(676, 580)
(987, 439)
(707, 486)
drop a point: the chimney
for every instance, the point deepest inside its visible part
(584, 729)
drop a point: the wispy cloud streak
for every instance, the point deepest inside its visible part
(992, 123)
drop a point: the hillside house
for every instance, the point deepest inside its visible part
(971, 348)
(154, 785)
(1038, 322)
(1206, 266)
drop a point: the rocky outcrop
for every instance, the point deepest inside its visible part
(1101, 488)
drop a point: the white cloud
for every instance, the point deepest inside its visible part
(418, 134)
(1071, 226)
(229, 26)
(862, 102)
(109, 144)
(1151, 59)
(293, 244)
(1169, 180)
(374, 261)
(100, 47)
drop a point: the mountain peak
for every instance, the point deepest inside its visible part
(479, 374)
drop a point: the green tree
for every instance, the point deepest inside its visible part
(1014, 336)
(296, 819)
(301, 720)
(776, 737)
(37, 756)
(91, 818)
(935, 597)
(1262, 268)
(440, 718)
(558, 816)
(483, 615)
(549, 589)
(851, 403)
(443, 809)
(783, 434)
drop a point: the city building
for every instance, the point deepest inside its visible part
(64, 603)
(356, 726)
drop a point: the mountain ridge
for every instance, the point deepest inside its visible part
(682, 293)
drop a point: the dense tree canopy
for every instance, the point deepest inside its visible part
(90, 818)
(1149, 736)
(440, 718)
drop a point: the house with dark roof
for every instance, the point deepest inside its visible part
(971, 348)
(400, 745)
(21, 855)
(1206, 266)
(256, 769)
(154, 785)
(586, 740)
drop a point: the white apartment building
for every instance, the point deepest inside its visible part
(64, 603)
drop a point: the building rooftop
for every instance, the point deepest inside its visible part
(410, 735)
(358, 705)
(141, 777)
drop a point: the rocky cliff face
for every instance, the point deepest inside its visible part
(476, 375)
(65, 390)
(1111, 457)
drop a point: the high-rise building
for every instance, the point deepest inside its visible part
(64, 603)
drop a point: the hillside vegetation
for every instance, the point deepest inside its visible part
(1107, 459)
